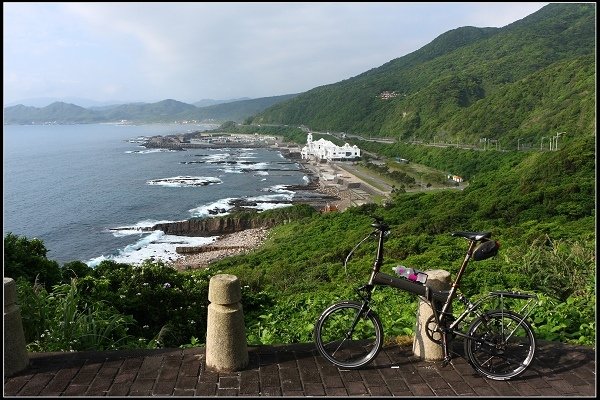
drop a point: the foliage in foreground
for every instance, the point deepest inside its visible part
(152, 305)
(540, 206)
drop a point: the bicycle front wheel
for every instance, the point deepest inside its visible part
(501, 346)
(348, 335)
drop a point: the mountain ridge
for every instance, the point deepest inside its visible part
(168, 110)
(420, 94)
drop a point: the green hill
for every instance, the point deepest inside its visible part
(533, 77)
(163, 111)
(238, 110)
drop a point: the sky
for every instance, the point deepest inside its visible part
(148, 52)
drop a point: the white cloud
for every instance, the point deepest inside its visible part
(190, 51)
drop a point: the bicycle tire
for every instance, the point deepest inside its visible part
(508, 345)
(343, 344)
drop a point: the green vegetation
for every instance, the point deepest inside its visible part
(526, 81)
(539, 205)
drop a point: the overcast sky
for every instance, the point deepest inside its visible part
(149, 52)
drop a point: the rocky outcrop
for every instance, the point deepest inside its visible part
(212, 226)
(164, 142)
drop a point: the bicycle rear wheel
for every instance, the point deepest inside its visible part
(503, 345)
(347, 337)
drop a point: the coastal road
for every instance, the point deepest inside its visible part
(374, 181)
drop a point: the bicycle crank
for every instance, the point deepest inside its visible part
(434, 332)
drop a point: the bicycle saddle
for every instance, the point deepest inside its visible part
(379, 224)
(475, 236)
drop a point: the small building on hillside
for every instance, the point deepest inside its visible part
(455, 178)
(325, 150)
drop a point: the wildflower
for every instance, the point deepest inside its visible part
(145, 326)
(167, 285)
(138, 294)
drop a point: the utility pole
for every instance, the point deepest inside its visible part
(518, 144)
(556, 140)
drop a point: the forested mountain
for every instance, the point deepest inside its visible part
(163, 111)
(238, 110)
(212, 102)
(533, 77)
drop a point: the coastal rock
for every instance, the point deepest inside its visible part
(166, 142)
(211, 226)
(225, 246)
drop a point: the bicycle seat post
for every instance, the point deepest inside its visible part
(461, 271)
(381, 230)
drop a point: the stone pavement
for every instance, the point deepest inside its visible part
(558, 370)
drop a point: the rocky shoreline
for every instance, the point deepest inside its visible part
(225, 246)
(240, 237)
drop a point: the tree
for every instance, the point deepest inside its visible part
(26, 258)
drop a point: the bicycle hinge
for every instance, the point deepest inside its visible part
(447, 360)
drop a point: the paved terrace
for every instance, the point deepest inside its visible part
(297, 370)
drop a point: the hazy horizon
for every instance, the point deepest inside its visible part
(110, 53)
(40, 102)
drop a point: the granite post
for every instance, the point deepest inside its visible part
(226, 346)
(15, 352)
(423, 347)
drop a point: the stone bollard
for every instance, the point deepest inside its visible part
(423, 347)
(226, 347)
(15, 353)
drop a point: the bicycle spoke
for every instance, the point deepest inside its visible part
(497, 350)
(353, 346)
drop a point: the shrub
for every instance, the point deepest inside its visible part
(62, 321)
(169, 307)
(26, 258)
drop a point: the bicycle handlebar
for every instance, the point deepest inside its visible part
(379, 224)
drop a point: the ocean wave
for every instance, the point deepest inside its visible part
(214, 158)
(148, 151)
(156, 246)
(215, 209)
(278, 189)
(136, 229)
(185, 181)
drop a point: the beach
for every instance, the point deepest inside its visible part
(224, 246)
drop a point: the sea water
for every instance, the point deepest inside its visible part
(87, 190)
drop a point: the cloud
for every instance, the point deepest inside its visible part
(189, 51)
